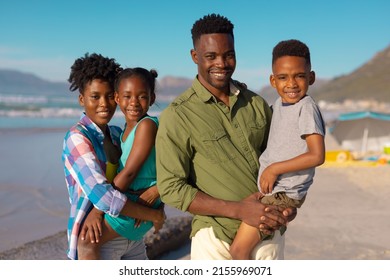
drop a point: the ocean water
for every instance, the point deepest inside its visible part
(32, 111)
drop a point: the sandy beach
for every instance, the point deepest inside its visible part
(345, 216)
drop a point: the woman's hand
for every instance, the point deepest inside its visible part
(92, 226)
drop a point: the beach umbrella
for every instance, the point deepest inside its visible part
(362, 131)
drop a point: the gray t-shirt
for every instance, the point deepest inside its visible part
(288, 126)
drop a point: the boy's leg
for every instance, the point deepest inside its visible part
(91, 251)
(246, 239)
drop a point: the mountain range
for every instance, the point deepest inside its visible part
(368, 82)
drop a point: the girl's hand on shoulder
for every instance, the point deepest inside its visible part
(159, 222)
(150, 196)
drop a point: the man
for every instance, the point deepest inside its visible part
(208, 145)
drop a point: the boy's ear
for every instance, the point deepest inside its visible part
(312, 77)
(81, 100)
(272, 80)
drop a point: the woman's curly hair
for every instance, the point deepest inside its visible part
(91, 67)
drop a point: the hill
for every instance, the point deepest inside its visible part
(368, 82)
(14, 82)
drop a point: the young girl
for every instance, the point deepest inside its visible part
(134, 93)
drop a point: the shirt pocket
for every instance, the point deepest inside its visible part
(256, 134)
(218, 147)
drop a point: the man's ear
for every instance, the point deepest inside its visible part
(194, 56)
(312, 77)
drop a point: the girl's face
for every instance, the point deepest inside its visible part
(98, 102)
(134, 98)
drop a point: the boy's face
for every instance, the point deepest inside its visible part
(98, 102)
(216, 59)
(291, 78)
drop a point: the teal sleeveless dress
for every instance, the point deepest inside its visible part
(146, 178)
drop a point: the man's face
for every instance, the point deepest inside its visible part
(216, 59)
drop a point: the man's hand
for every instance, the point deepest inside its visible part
(267, 218)
(92, 226)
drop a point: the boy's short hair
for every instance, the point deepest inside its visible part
(91, 67)
(291, 48)
(210, 24)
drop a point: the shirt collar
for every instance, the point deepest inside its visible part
(206, 95)
(92, 127)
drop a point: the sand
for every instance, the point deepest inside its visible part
(346, 216)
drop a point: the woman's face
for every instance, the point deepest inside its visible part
(98, 102)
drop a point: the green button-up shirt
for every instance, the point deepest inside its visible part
(204, 145)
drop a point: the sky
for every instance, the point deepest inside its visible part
(45, 37)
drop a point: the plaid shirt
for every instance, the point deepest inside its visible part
(85, 165)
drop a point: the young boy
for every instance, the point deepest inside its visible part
(296, 140)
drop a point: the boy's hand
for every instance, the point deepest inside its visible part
(92, 226)
(267, 180)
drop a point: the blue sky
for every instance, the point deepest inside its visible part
(45, 37)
